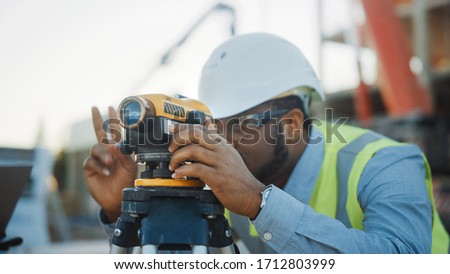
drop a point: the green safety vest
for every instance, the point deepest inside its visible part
(340, 172)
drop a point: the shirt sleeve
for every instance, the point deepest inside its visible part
(107, 226)
(397, 212)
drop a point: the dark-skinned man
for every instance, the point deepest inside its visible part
(292, 187)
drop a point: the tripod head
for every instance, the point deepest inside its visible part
(146, 119)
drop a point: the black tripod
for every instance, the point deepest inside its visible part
(171, 219)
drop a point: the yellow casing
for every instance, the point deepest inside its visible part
(161, 105)
(168, 182)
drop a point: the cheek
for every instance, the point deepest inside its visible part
(256, 155)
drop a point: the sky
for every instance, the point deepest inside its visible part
(59, 58)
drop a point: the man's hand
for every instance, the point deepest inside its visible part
(218, 164)
(107, 171)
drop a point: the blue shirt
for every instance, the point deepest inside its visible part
(392, 193)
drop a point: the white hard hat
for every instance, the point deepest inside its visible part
(250, 69)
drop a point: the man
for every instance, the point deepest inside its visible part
(304, 189)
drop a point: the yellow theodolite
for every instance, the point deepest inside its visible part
(161, 214)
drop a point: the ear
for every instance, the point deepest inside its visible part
(292, 123)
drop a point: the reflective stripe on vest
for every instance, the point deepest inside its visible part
(346, 159)
(441, 239)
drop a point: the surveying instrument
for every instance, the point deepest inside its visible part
(161, 214)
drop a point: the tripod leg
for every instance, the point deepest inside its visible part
(199, 249)
(221, 235)
(230, 249)
(150, 249)
(125, 234)
(136, 250)
(117, 249)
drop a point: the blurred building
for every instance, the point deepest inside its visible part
(408, 95)
(68, 170)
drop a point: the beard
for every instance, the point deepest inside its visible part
(270, 171)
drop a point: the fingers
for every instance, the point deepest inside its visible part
(210, 125)
(102, 155)
(125, 161)
(92, 167)
(99, 161)
(192, 153)
(185, 134)
(104, 159)
(114, 125)
(115, 151)
(97, 120)
(192, 170)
